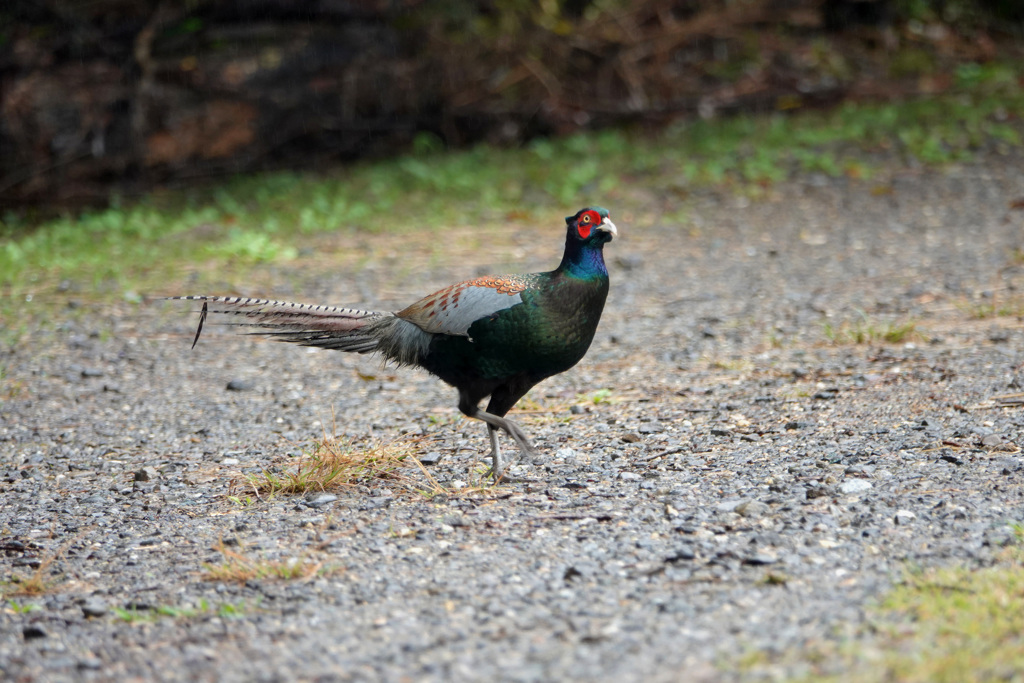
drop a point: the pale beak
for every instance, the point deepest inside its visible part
(608, 226)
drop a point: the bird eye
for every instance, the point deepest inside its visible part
(586, 218)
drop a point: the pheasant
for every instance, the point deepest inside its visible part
(492, 336)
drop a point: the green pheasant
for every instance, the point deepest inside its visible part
(492, 336)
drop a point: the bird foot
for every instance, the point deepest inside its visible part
(509, 479)
(504, 475)
(494, 423)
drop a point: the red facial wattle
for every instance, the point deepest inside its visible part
(586, 223)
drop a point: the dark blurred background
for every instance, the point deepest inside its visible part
(102, 95)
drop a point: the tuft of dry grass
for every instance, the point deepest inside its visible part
(239, 568)
(334, 463)
(36, 583)
(39, 582)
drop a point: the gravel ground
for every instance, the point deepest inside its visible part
(748, 484)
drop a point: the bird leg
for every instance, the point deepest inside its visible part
(496, 465)
(469, 408)
(495, 423)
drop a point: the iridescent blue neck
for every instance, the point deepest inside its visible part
(583, 261)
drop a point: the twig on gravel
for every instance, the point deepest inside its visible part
(1005, 397)
(670, 451)
(570, 516)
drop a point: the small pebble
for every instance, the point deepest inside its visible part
(431, 458)
(854, 486)
(321, 499)
(94, 607)
(33, 631)
(904, 517)
(683, 553)
(818, 492)
(753, 509)
(90, 663)
(147, 474)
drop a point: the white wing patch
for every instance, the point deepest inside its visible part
(453, 310)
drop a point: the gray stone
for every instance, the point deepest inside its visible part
(854, 486)
(904, 517)
(431, 458)
(89, 663)
(682, 553)
(818, 491)
(320, 499)
(147, 474)
(34, 632)
(94, 607)
(753, 509)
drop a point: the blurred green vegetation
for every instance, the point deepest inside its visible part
(954, 624)
(939, 625)
(141, 246)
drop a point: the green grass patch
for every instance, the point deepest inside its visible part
(233, 228)
(1012, 306)
(956, 625)
(939, 625)
(202, 609)
(867, 330)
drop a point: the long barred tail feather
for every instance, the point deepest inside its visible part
(199, 330)
(329, 327)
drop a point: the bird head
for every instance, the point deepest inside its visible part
(591, 226)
